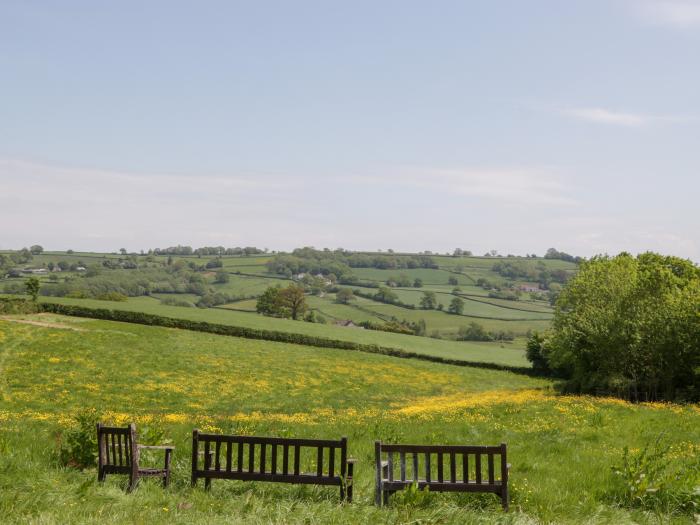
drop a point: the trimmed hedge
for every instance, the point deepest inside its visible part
(252, 333)
(17, 305)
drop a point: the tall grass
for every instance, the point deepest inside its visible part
(562, 448)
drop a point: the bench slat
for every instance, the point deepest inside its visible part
(207, 457)
(251, 457)
(319, 461)
(402, 459)
(477, 462)
(217, 456)
(239, 458)
(490, 463)
(263, 453)
(272, 440)
(391, 466)
(331, 462)
(296, 459)
(415, 466)
(229, 447)
(273, 460)
(453, 468)
(465, 468)
(427, 467)
(461, 449)
(285, 460)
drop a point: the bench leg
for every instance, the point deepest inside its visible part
(101, 475)
(133, 481)
(207, 483)
(348, 483)
(166, 476)
(387, 495)
(504, 498)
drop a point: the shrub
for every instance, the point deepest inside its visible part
(628, 326)
(78, 443)
(173, 301)
(112, 296)
(649, 479)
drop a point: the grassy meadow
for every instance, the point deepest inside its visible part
(170, 381)
(507, 353)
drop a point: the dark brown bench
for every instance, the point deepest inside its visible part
(253, 458)
(118, 453)
(440, 468)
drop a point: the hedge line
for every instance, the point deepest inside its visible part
(249, 333)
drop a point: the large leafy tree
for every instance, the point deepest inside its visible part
(292, 301)
(629, 326)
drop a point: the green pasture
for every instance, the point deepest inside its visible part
(562, 449)
(508, 354)
(449, 324)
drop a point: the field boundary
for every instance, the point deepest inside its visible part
(8, 305)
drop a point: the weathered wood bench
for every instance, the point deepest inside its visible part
(440, 468)
(118, 453)
(254, 458)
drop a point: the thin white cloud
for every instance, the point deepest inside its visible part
(604, 116)
(520, 186)
(682, 14)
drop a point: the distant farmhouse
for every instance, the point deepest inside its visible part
(35, 271)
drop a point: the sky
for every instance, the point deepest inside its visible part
(411, 125)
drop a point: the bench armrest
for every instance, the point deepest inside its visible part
(351, 460)
(156, 447)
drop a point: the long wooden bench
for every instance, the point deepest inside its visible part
(254, 458)
(441, 468)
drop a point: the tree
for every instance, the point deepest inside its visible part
(385, 295)
(535, 353)
(122, 251)
(428, 301)
(453, 281)
(36, 249)
(344, 295)
(222, 277)
(32, 285)
(268, 303)
(456, 306)
(628, 326)
(292, 301)
(473, 332)
(418, 283)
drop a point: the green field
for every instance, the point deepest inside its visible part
(170, 381)
(248, 278)
(507, 353)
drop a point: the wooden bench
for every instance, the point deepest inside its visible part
(440, 468)
(253, 458)
(118, 453)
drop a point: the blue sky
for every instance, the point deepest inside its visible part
(504, 125)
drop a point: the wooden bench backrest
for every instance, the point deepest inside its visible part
(443, 463)
(116, 446)
(261, 458)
